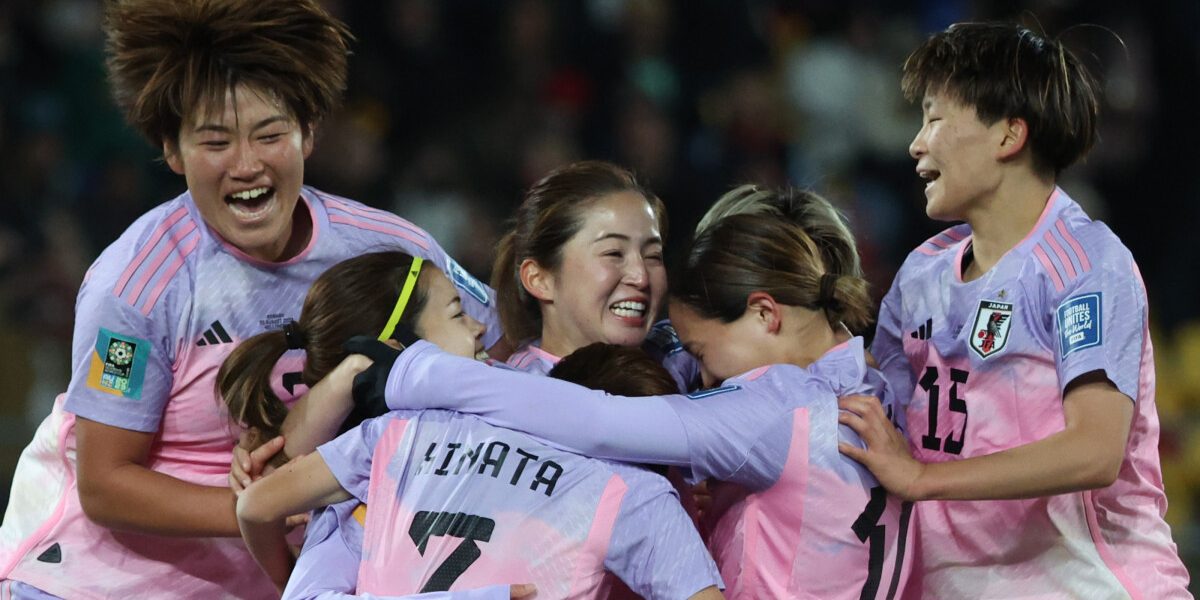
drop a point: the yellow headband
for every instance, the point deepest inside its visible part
(405, 294)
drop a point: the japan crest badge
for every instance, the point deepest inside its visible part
(992, 322)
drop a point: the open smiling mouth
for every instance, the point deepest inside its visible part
(929, 175)
(252, 203)
(629, 309)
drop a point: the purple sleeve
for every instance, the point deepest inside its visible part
(585, 421)
(348, 456)
(655, 548)
(121, 358)
(888, 346)
(1100, 319)
(327, 564)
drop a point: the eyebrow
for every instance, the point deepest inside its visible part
(624, 238)
(223, 129)
(453, 300)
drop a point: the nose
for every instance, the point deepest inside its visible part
(476, 327)
(635, 272)
(916, 148)
(247, 164)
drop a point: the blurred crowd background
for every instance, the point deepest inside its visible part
(456, 106)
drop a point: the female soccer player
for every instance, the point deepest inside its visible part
(756, 305)
(122, 492)
(1018, 341)
(454, 502)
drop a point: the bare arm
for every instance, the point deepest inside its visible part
(119, 492)
(314, 418)
(300, 485)
(708, 593)
(1086, 454)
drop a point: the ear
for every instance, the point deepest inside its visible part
(765, 311)
(538, 281)
(171, 155)
(1015, 135)
(306, 141)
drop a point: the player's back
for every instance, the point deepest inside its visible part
(456, 503)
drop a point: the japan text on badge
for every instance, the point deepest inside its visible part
(992, 323)
(118, 364)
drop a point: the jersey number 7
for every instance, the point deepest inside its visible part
(471, 528)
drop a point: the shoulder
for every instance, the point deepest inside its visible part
(152, 257)
(934, 253)
(642, 485)
(350, 218)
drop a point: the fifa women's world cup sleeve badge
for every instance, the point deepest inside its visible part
(118, 364)
(992, 322)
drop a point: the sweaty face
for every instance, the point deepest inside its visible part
(724, 349)
(244, 167)
(442, 320)
(611, 281)
(955, 156)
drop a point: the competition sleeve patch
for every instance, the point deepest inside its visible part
(467, 282)
(118, 365)
(1079, 323)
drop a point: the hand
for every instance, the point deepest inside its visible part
(521, 591)
(370, 384)
(886, 455)
(250, 465)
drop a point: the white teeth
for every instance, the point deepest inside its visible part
(628, 308)
(250, 194)
(482, 355)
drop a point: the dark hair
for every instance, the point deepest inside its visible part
(170, 58)
(549, 216)
(746, 253)
(805, 208)
(618, 370)
(353, 297)
(1004, 70)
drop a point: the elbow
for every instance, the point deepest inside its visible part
(1101, 471)
(251, 510)
(97, 504)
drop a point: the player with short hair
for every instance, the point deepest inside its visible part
(122, 493)
(455, 503)
(1019, 342)
(760, 309)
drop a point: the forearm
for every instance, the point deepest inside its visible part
(582, 420)
(1061, 463)
(136, 499)
(315, 418)
(268, 545)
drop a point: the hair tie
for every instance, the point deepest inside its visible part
(825, 297)
(296, 340)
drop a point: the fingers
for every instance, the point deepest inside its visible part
(297, 520)
(522, 590)
(853, 452)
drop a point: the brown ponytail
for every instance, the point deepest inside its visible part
(354, 297)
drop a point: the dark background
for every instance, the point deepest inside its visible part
(456, 106)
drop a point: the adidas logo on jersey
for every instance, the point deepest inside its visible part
(215, 334)
(924, 332)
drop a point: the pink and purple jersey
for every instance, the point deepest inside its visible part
(811, 523)
(157, 314)
(981, 367)
(456, 503)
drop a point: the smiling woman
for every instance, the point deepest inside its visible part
(123, 491)
(583, 262)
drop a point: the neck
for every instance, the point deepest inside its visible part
(809, 340)
(555, 340)
(1000, 223)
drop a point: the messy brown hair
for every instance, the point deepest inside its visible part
(168, 59)
(617, 370)
(1004, 70)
